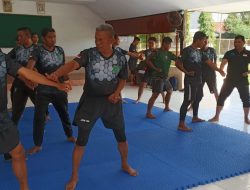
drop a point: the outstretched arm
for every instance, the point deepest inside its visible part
(134, 55)
(38, 78)
(64, 70)
(30, 65)
(214, 67)
(223, 63)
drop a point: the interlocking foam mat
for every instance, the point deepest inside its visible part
(165, 158)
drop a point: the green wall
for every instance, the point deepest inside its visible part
(11, 22)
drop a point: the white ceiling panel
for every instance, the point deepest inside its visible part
(121, 9)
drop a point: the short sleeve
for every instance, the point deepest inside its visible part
(82, 58)
(62, 52)
(124, 52)
(132, 48)
(12, 66)
(226, 56)
(184, 55)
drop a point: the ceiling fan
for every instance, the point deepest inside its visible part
(174, 18)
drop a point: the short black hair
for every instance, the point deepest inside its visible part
(26, 30)
(239, 37)
(152, 39)
(136, 38)
(166, 40)
(45, 31)
(199, 35)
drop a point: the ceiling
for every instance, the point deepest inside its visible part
(120, 9)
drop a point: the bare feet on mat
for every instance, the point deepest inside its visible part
(71, 185)
(197, 119)
(71, 139)
(214, 119)
(126, 168)
(184, 128)
(24, 187)
(34, 150)
(247, 121)
(150, 116)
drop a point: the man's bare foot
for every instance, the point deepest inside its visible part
(34, 150)
(214, 119)
(167, 109)
(247, 121)
(196, 120)
(71, 185)
(71, 139)
(150, 116)
(184, 128)
(126, 168)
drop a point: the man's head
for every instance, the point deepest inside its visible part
(152, 42)
(49, 37)
(166, 43)
(104, 37)
(136, 40)
(23, 35)
(239, 42)
(199, 39)
(206, 42)
(117, 40)
(35, 38)
(17, 41)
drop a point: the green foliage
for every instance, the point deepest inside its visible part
(207, 26)
(188, 36)
(143, 38)
(238, 24)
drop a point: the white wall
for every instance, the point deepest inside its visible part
(74, 24)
